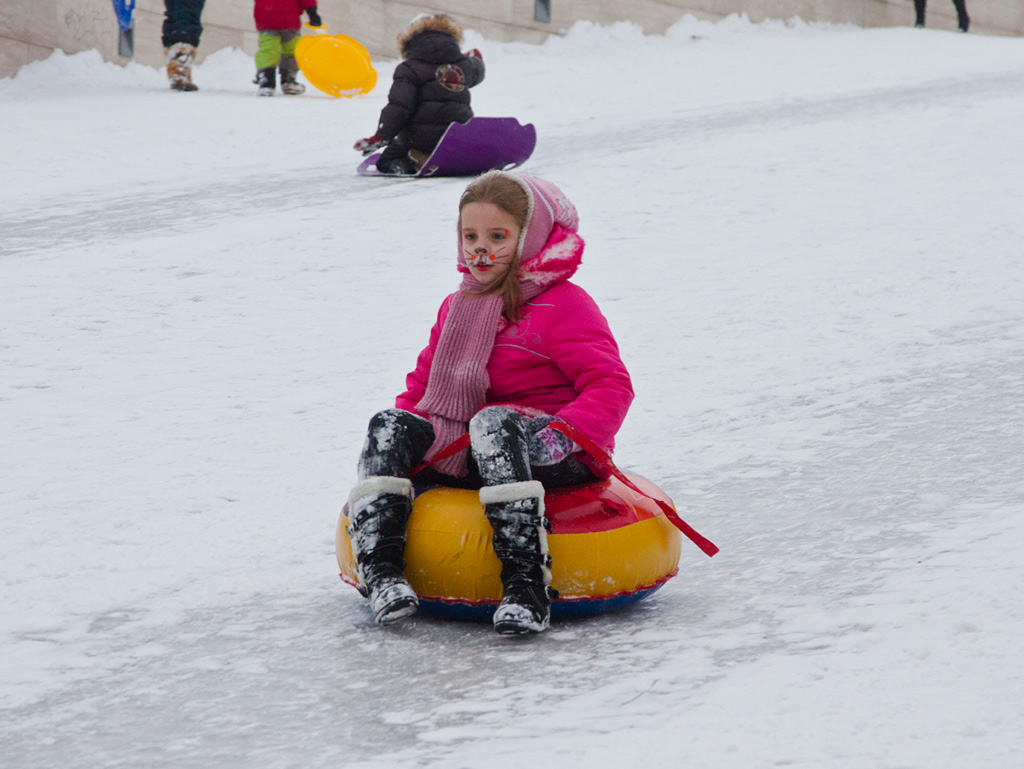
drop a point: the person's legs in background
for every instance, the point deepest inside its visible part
(919, 11)
(289, 67)
(181, 32)
(268, 56)
(962, 19)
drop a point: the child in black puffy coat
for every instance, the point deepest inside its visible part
(430, 92)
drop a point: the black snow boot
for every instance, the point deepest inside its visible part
(394, 160)
(378, 511)
(516, 513)
(266, 79)
(288, 70)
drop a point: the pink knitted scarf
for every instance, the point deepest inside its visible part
(458, 381)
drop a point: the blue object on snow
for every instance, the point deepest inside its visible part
(123, 10)
(589, 607)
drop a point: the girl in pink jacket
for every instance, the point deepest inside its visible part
(516, 347)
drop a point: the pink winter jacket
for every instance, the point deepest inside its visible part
(280, 14)
(560, 359)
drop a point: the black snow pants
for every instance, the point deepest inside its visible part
(398, 440)
(961, 13)
(182, 22)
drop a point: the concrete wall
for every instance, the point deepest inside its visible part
(32, 29)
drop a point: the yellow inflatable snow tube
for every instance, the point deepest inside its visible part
(609, 547)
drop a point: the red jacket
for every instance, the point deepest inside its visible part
(280, 14)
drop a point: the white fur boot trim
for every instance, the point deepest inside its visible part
(510, 492)
(369, 489)
(362, 494)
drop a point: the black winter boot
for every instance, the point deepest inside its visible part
(378, 511)
(289, 69)
(394, 160)
(516, 513)
(266, 79)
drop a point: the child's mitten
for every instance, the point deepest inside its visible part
(547, 446)
(314, 17)
(370, 144)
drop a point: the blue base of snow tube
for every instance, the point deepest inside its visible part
(588, 607)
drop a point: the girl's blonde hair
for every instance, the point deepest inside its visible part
(506, 193)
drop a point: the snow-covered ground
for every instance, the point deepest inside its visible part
(809, 242)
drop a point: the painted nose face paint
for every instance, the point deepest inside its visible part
(481, 256)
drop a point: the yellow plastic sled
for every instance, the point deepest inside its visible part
(338, 65)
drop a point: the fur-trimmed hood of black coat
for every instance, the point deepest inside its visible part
(424, 23)
(430, 89)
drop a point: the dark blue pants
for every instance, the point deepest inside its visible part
(182, 22)
(961, 13)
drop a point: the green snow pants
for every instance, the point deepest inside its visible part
(277, 47)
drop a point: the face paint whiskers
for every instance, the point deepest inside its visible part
(482, 257)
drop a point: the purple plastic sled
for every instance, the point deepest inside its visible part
(468, 149)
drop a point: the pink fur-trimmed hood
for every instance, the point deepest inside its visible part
(557, 260)
(548, 207)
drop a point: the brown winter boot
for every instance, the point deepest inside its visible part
(179, 66)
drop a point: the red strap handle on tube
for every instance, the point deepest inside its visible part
(453, 448)
(601, 457)
(605, 462)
